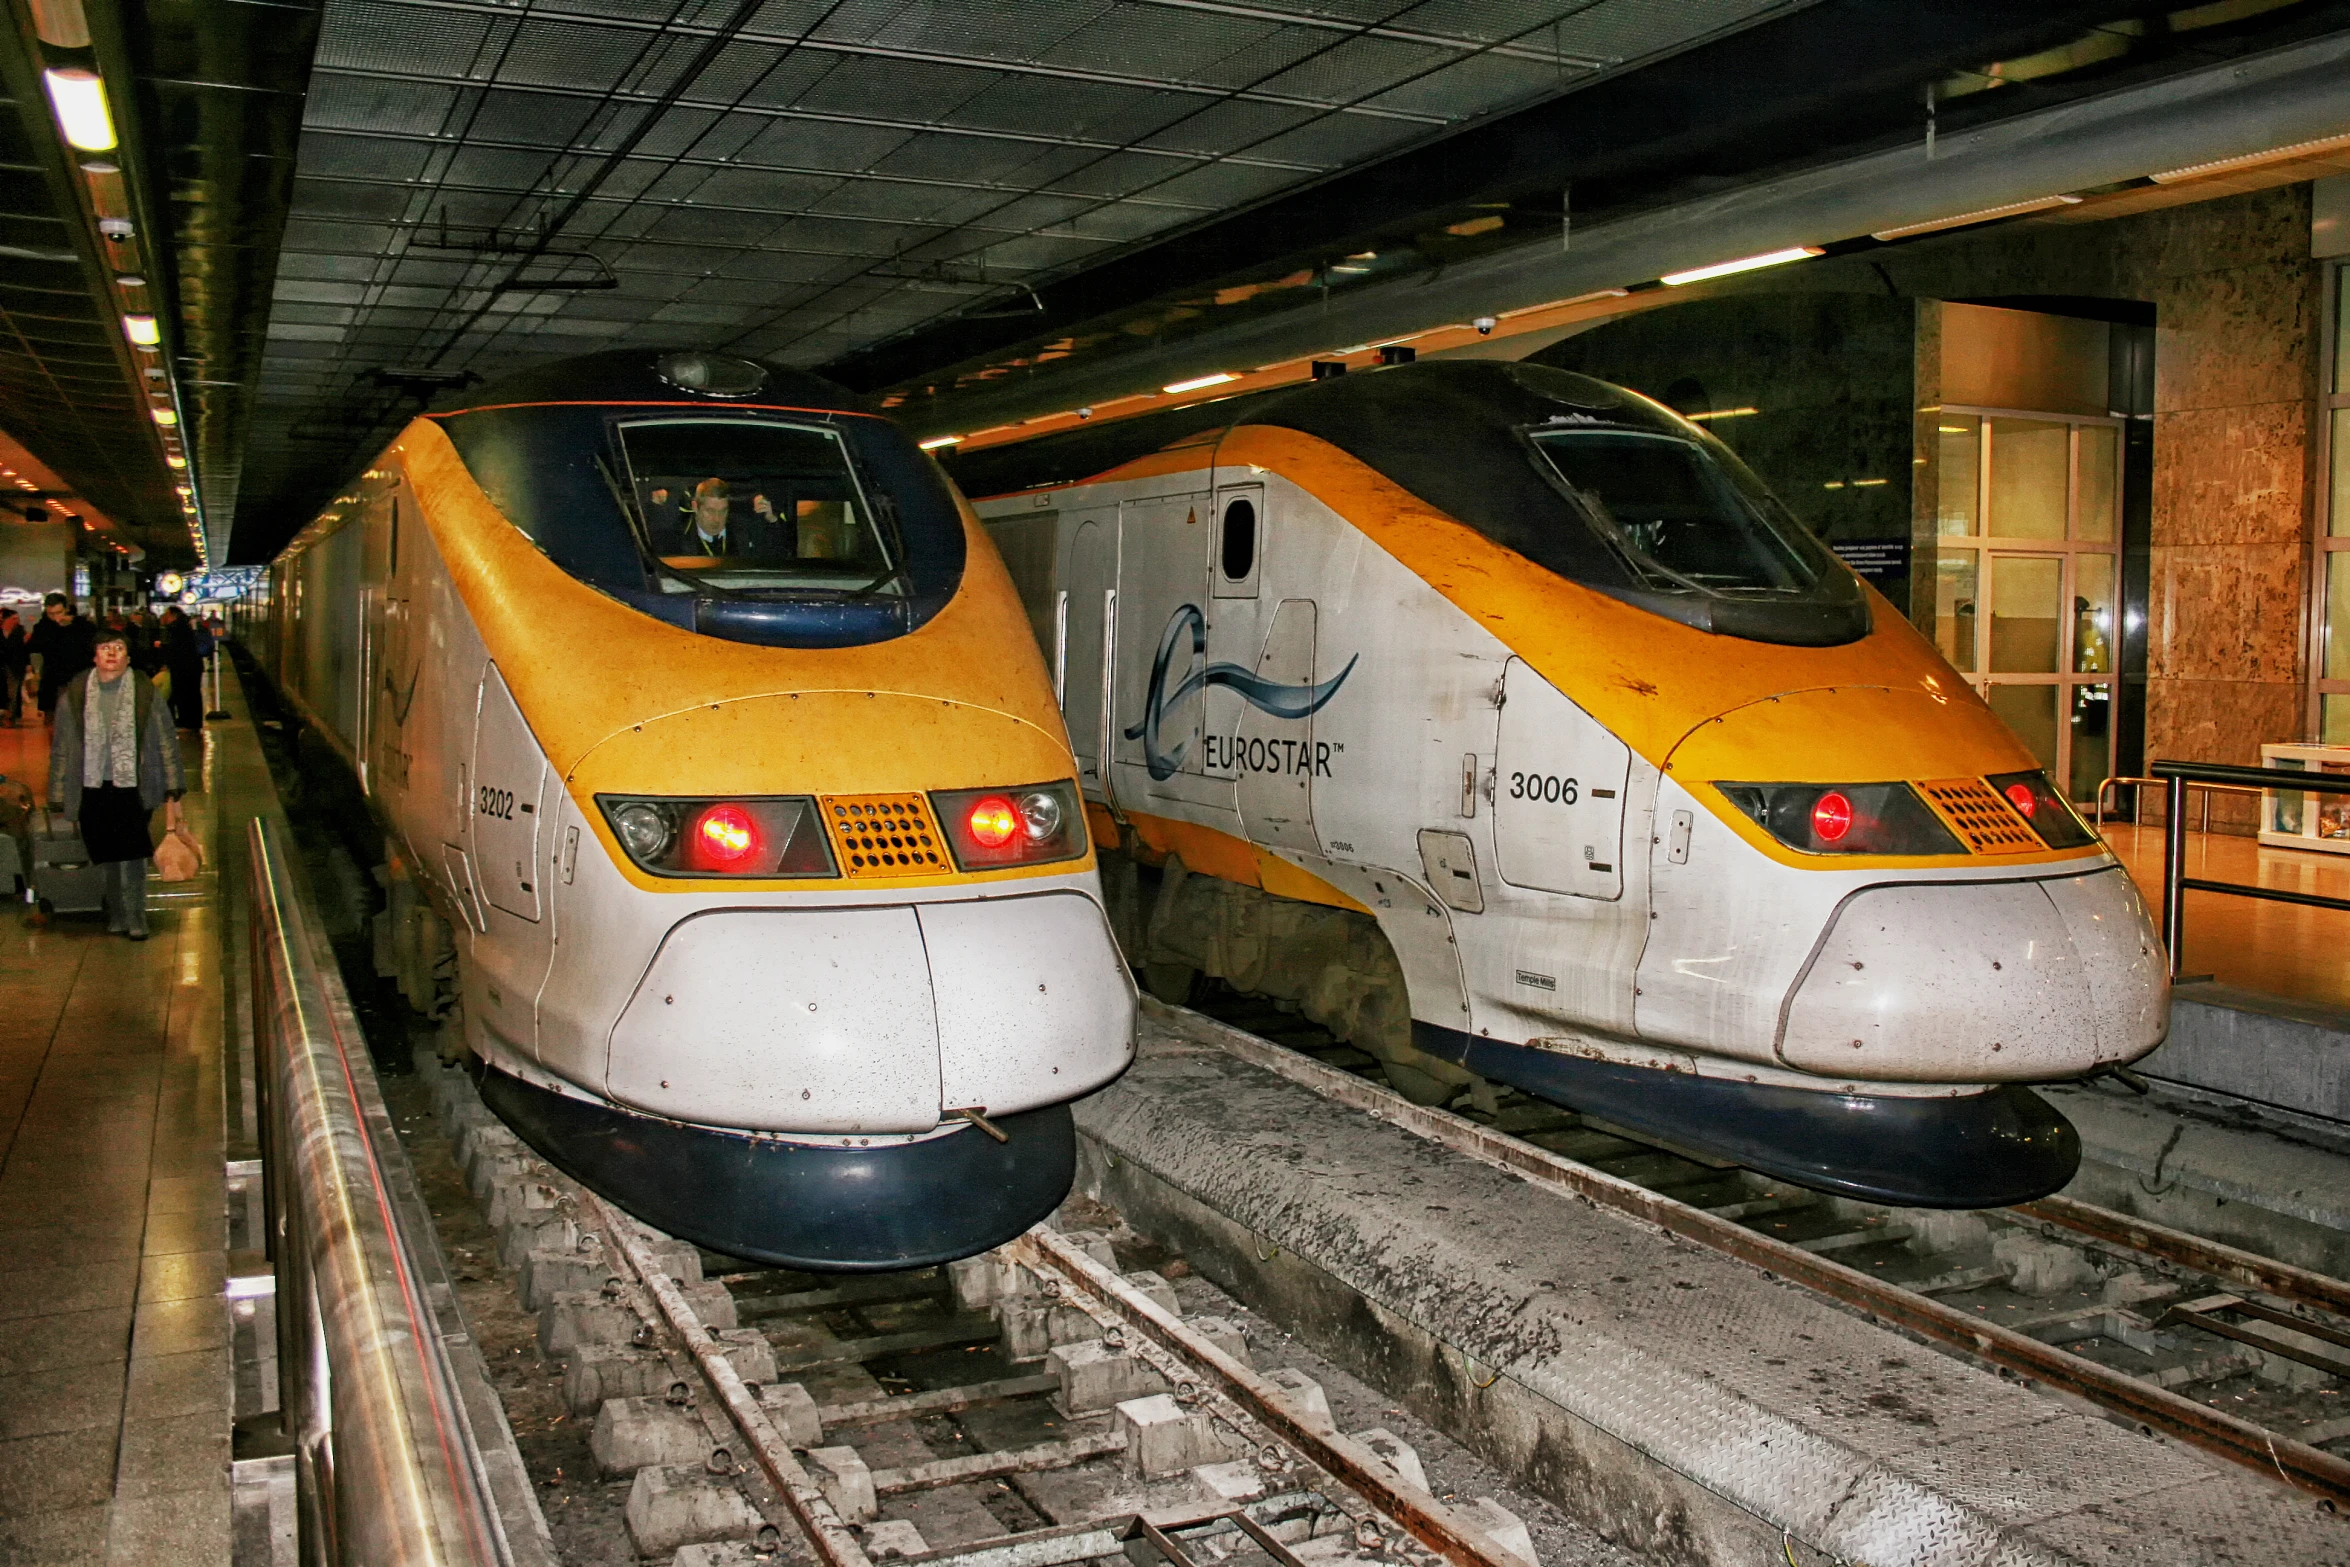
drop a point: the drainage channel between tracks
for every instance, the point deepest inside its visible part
(2099, 1306)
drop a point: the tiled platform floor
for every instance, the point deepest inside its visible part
(2278, 948)
(114, 1337)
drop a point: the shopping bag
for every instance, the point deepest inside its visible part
(177, 857)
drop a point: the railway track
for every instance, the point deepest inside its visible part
(2240, 1355)
(1032, 1407)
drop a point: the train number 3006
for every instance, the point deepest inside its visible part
(494, 802)
(1549, 788)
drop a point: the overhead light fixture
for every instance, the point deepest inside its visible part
(937, 441)
(141, 330)
(175, 462)
(2011, 209)
(1720, 413)
(2299, 149)
(79, 99)
(1769, 258)
(1199, 383)
(165, 417)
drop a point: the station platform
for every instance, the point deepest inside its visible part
(2273, 949)
(115, 1348)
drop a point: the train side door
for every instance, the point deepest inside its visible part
(1274, 756)
(509, 775)
(1558, 792)
(1157, 697)
(1080, 650)
(504, 811)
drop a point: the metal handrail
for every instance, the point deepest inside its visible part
(385, 1465)
(2179, 776)
(2155, 783)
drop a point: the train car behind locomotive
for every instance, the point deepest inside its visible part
(695, 702)
(1501, 720)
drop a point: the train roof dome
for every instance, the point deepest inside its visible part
(693, 377)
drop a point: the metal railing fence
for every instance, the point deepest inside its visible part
(385, 1463)
(2178, 778)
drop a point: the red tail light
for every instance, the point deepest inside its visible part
(1831, 818)
(725, 836)
(992, 821)
(2020, 796)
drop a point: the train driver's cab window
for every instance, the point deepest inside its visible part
(745, 505)
(1680, 511)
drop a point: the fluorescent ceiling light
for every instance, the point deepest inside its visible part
(1722, 413)
(175, 462)
(79, 98)
(937, 441)
(2299, 149)
(1769, 258)
(1199, 383)
(141, 330)
(165, 417)
(1980, 215)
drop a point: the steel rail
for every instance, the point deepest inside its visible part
(386, 1469)
(2156, 1408)
(1349, 1462)
(819, 1524)
(2265, 1274)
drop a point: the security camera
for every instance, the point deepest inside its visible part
(116, 228)
(1484, 326)
(1084, 413)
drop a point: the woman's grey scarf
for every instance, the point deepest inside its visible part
(110, 741)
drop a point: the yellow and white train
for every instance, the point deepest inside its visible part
(696, 702)
(1501, 719)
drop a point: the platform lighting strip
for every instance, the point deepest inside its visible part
(2011, 209)
(2299, 149)
(1199, 383)
(78, 98)
(1769, 258)
(1710, 415)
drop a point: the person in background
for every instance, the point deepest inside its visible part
(186, 663)
(61, 646)
(12, 664)
(114, 758)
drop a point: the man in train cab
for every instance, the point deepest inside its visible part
(61, 647)
(710, 528)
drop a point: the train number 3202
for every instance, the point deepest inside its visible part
(1549, 788)
(494, 802)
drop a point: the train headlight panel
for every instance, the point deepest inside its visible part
(776, 836)
(1873, 818)
(1030, 825)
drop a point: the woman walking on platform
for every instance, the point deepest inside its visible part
(113, 758)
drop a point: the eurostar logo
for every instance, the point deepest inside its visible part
(1188, 626)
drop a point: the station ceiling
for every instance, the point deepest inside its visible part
(356, 204)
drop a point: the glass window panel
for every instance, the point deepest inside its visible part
(2338, 513)
(1959, 476)
(2026, 594)
(2092, 739)
(2031, 468)
(2031, 712)
(2092, 614)
(2100, 482)
(2333, 724)
(2341, 336)
(1954, 607)
(2335, 656)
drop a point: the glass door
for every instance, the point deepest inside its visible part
(2027, 561)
